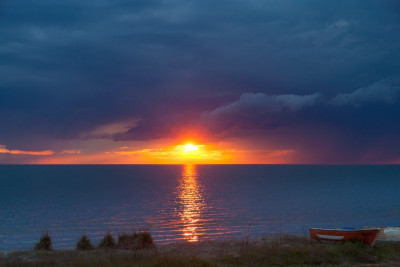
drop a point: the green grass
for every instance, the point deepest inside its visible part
(283, 251)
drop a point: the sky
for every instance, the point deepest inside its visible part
(184, 81)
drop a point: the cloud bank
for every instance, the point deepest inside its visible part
(4, 150)
(261, 103)
(270, 72)
(382, 90)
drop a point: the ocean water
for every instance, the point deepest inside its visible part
(190, 202)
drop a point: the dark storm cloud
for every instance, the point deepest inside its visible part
(356, 127)
(256, 103)
(70, 68)
(383, 90)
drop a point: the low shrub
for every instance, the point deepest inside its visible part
(84, 243)
(140, 240)
(44, 243)
(107, 242)
(127, 241)
(145, 240)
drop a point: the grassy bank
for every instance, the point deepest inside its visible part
(283, 251)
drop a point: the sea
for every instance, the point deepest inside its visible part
(190, 203)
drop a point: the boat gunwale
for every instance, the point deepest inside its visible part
(348, 230)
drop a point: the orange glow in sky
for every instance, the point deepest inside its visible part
(183, 152)
(189, 151)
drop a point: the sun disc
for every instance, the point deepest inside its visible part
(191, 148)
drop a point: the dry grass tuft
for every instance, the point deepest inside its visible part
(282, 251)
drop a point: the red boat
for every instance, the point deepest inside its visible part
(367, 236)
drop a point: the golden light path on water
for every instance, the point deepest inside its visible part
(192, 203)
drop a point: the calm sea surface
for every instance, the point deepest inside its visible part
(190, 203)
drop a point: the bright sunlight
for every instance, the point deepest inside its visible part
(189, 150)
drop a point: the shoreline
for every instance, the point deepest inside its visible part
(283, 250)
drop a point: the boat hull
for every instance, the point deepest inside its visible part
(387, 233)
(367, 236)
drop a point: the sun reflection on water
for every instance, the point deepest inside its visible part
(191, 202)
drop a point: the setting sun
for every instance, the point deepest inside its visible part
(190, 148)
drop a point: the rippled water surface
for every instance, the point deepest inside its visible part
(190, 202)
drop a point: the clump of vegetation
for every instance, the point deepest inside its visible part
(145, 240)
(127, 241)
(84, 243)
(133, 241)
(44, 242)
(107, 242)
(282, 251)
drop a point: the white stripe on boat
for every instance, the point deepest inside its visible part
(333, 237)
